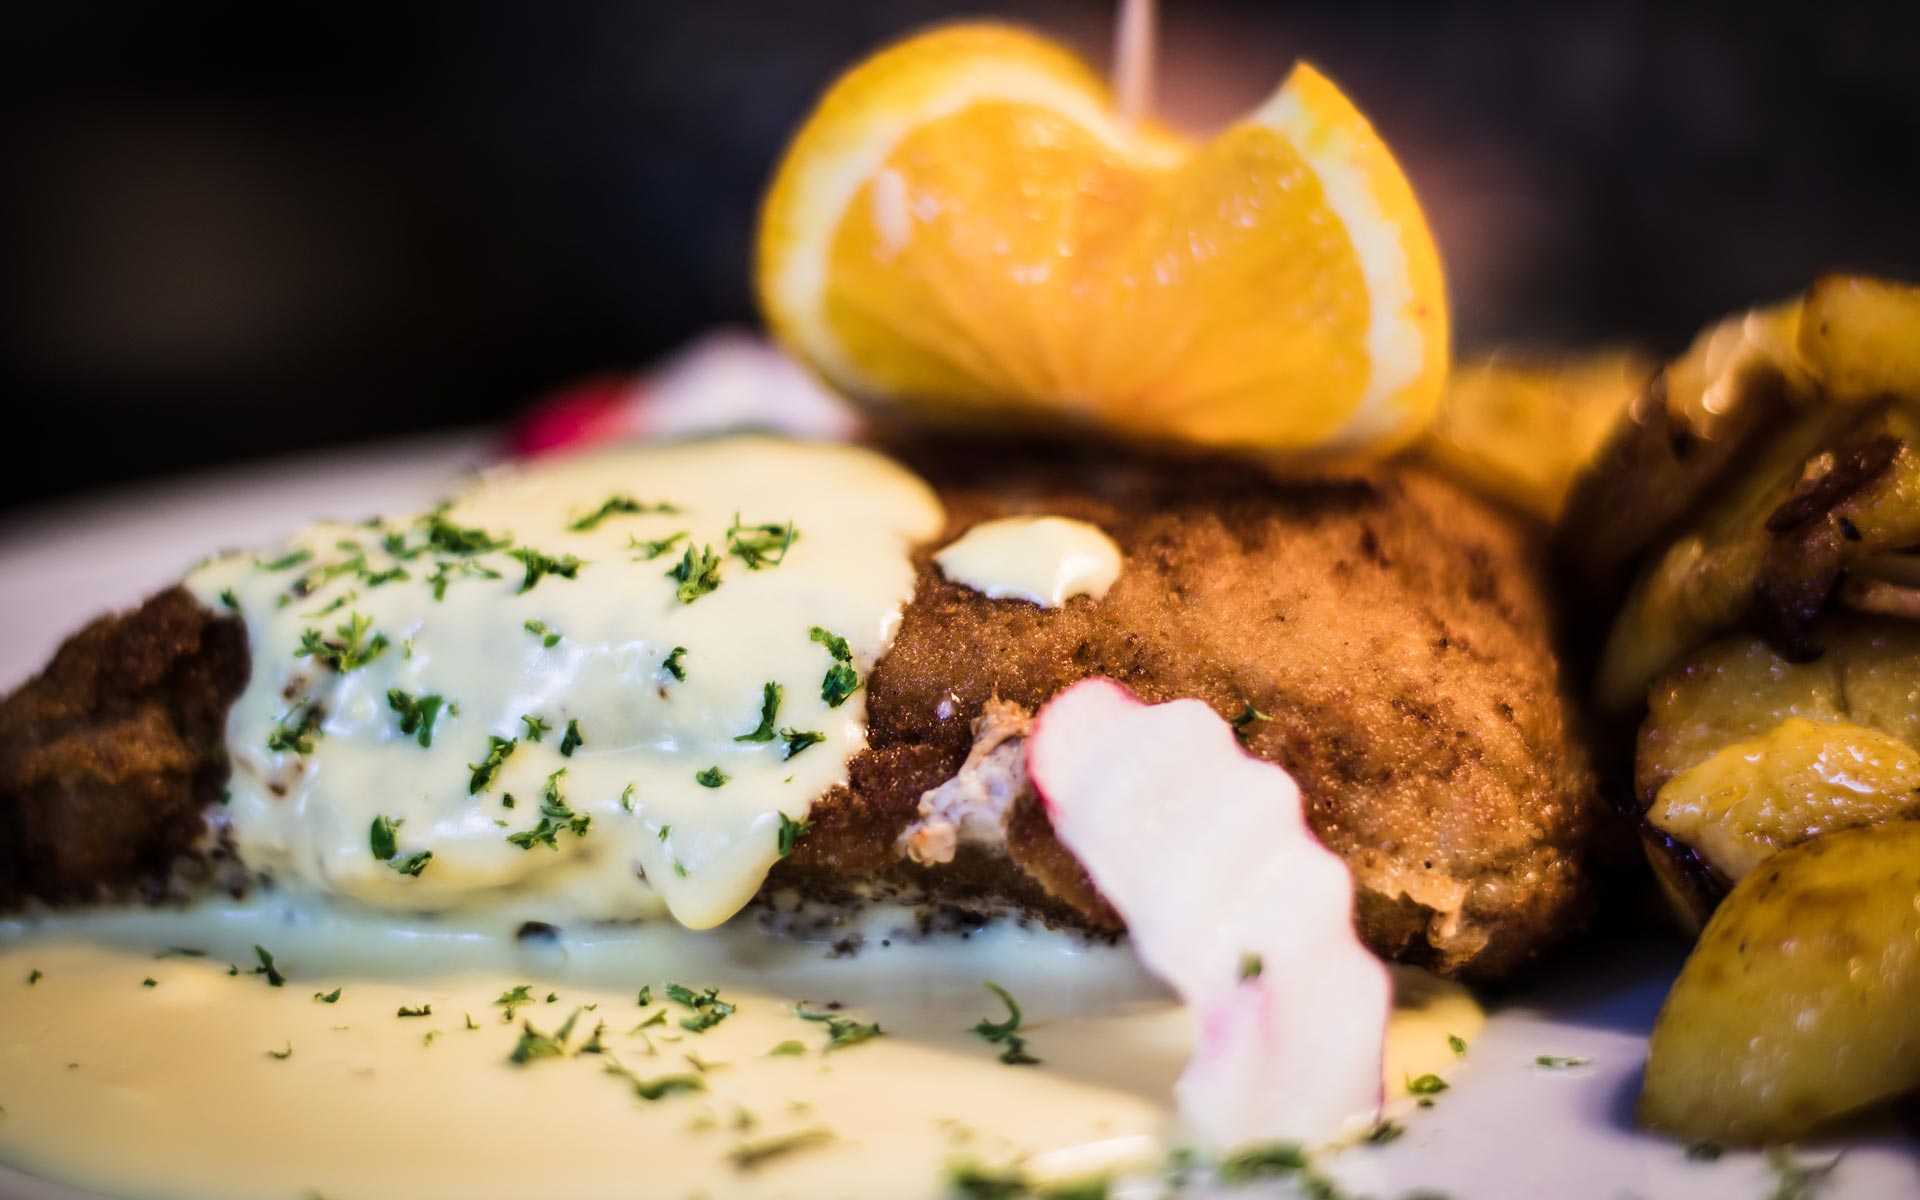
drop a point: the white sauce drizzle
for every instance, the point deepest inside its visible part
(1045, 560)
(179, 1081)
(632, 827)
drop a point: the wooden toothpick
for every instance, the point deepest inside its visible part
(1133, 52)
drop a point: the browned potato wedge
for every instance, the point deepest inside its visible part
(1767, 473)
(1703, 384)
(1798, 1003)
(1739, 687)
(1840, 485)
(1520, 431)
(1698, 421)
(1797, 781)
(1861, 337)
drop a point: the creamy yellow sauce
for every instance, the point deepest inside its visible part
(212, 1084)
(1045, 560)
(651, 737)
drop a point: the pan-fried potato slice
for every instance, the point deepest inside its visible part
(1737, 688)
(1703, 385)
(1839, 485)
(1797, 781)
(1521, 431)
(1797, 1004)
(1861, 337)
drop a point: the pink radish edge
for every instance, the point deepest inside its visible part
(1205, 852)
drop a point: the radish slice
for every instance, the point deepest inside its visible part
(1204, 850)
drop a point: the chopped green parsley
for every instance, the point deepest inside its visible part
(1243, 724)
(571, 739)
(1556, 1060)
(548, 637)
(555, 816)
(514, 997)
(659, 1087)
(697, 574)
(1426, 1085)
(1004, 1033)
(349, 650)
(799, 739)
(537, 728)
(539, 566)
(769, 714)
(315, 578)
(653, 549)
(425, 1010)
(708, 1008)
(332, 997)
(282, 1054)
(791, 831)
(381, 837)
(975, 1181)
(412, 864)
(445, 573)
(673, 665)
(748, 1155)
(594, 1043)
(286, 562)
(787, 1049)
(339, 602)
(417, 714)
(445, 537)
(760, 545)
(841, 1031)
(613, 506)
(266, 967)
(1798, 1180)
(1384, 1132)
(535, 1044)
(483, 771)
(1250, 967)
(841, 679)
(835, 644)
(1457, 1044)
(712, 777)
(297, 737)
(1262, 1162)
(658, 1018)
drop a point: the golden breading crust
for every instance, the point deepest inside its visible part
(109, 756)
(1390, 630)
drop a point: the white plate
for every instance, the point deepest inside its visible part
(1507, 1129)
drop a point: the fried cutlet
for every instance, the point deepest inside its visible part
(1378, 632)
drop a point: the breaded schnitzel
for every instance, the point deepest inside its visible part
(1378, 632)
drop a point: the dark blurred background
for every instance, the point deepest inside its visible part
(237, 229)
